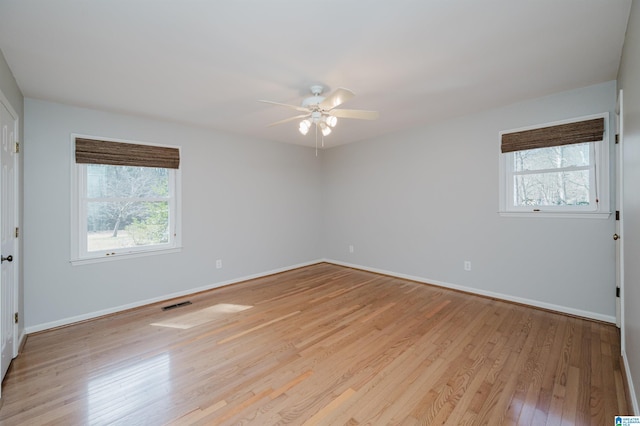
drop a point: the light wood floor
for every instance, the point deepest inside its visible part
(321, 345)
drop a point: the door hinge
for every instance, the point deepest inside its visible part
(617, 138)
(17, 232)
(17, 151)
(15, 317)
(617, 291)
(617, 214)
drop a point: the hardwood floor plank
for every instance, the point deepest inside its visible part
(257, 327)
(284, 388)
(326, 410)
(198, 414)
(323, 344)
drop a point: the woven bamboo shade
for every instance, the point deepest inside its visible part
(563, 134)
(91, 151)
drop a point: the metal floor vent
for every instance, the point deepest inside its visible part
(177, 305)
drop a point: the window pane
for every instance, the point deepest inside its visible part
(114, 225)
(104, 181)
(552, 189)
(552, 158)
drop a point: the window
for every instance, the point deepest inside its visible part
(125, 199)
(559, 168)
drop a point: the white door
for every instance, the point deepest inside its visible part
(8, 122)
(618, 236)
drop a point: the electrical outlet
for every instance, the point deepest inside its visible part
(467, 265)
(350, 249)
(219, 264)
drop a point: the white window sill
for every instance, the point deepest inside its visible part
(124, 255)
(567, 215)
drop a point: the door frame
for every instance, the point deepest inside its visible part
(17, 219)
(620, 219)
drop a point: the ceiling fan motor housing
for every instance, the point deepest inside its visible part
(316, 99)
(312, 101)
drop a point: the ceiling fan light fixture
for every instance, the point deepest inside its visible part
(326, 130)
(304, 126)
(331, 121)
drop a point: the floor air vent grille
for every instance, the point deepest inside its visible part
(177, 305)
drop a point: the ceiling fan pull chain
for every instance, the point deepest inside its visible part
(316, 140)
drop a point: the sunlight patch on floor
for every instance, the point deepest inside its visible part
(202, 316)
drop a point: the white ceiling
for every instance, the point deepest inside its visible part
(206, 63)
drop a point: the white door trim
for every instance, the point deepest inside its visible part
(620, 222)
(17, 218)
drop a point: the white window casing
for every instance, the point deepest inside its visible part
(80, 251)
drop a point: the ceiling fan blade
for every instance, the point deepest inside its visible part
(286, 120)
(355, 113)
(336, 98)
(296, 107)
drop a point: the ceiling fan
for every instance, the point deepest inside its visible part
(322, 111)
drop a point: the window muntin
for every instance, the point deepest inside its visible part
(123, 210)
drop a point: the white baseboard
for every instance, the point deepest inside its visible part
(631, 388)
(96, 314)
(501, 296)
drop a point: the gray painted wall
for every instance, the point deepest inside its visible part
(422, 202)
(11, 91)
(629, 83)
(254, 204)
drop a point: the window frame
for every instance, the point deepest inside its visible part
(79, 250)
(598, 176)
